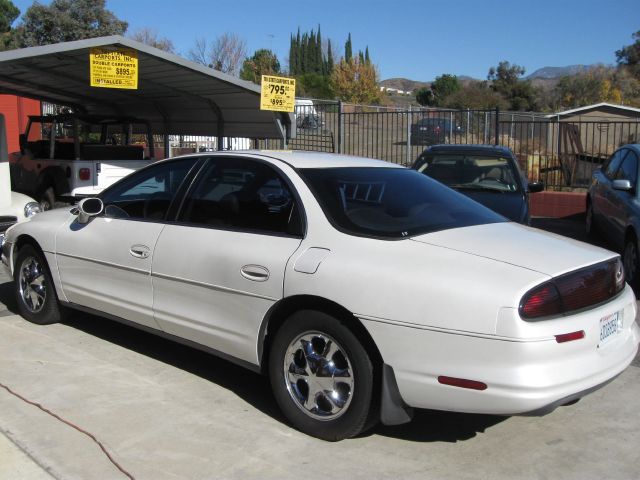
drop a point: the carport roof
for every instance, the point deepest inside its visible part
(175, 95)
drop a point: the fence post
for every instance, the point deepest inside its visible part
(497, 126)
(340, 127)
(407, 156)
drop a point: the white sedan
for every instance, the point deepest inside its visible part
(362, 289)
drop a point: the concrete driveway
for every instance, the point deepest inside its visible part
(164, 411)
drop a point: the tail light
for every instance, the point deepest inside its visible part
(574, 291)
(84, 174)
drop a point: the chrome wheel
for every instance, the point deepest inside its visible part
(630, 260)
(32, 284)
(318, 375)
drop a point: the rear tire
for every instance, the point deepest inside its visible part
(321, 376)
(35, 292)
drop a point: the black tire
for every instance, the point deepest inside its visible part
(590, 226)
(35, 293)
(630, 259)
(319, 333)
(47, 198)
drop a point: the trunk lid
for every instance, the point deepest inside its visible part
(519, 245)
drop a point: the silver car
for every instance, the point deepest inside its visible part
(613, 207)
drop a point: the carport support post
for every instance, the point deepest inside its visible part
(340, 127)
(167, 148)
(497, 126)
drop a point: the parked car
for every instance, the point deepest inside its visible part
(429, 131)
(363, 289)
(14, 207)
(488, 174)
(613, 208)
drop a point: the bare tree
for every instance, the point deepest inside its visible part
(150, 36)
(225, 54)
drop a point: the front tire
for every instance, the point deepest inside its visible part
(321, 376)
(35, 292)
(47, 198)
(590, 224)
(630, 259)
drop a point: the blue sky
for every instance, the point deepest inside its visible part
(411, 38)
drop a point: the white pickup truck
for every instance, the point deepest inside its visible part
(67, 157)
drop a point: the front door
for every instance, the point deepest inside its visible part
(106, 264)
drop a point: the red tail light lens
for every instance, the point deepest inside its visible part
(574, 291)
(84, 174)
(542, 301)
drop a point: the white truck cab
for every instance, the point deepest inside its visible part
(67, 157)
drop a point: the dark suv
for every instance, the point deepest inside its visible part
(429, 131)
(486, 173)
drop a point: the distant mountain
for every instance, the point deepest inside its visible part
(407, 85)
(557, 72)
(403, 84)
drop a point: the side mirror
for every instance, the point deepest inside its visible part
(22, 139)
(535, 187)
(624, 185)
(89, 208)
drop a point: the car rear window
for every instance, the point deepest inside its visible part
(392, 202)
(478, 172)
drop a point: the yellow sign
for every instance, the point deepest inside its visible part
(278, 93)
(114, 68)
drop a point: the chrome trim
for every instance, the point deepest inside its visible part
(211, 286)
(106, 264)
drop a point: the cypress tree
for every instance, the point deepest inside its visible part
(361, 57)
(329, 59)
(367, 60)
(348, 53)
(319, 60)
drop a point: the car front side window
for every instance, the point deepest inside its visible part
(629, 169)
(148, 193)
(613, 164)
(242, 194)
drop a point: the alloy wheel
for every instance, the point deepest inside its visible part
(32, 284)
(318, 375)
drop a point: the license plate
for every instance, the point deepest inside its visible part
(610, 326)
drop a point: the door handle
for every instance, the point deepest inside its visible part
(256, 273)
(140, 251)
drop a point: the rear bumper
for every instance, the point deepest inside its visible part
(522, 376)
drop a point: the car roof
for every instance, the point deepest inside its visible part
(304, 159)
(470, 149)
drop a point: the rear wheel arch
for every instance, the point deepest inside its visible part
(286, 307)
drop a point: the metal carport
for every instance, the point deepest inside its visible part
(177, 96)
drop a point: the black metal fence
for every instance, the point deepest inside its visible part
(558, 151)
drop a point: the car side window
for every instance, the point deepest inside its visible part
(613, 164)
(629, 168)
(236, 193)
(148, 193)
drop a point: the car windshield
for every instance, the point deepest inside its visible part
(470, 172)
(392, 202)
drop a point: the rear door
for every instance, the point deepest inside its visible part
(218, 270)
